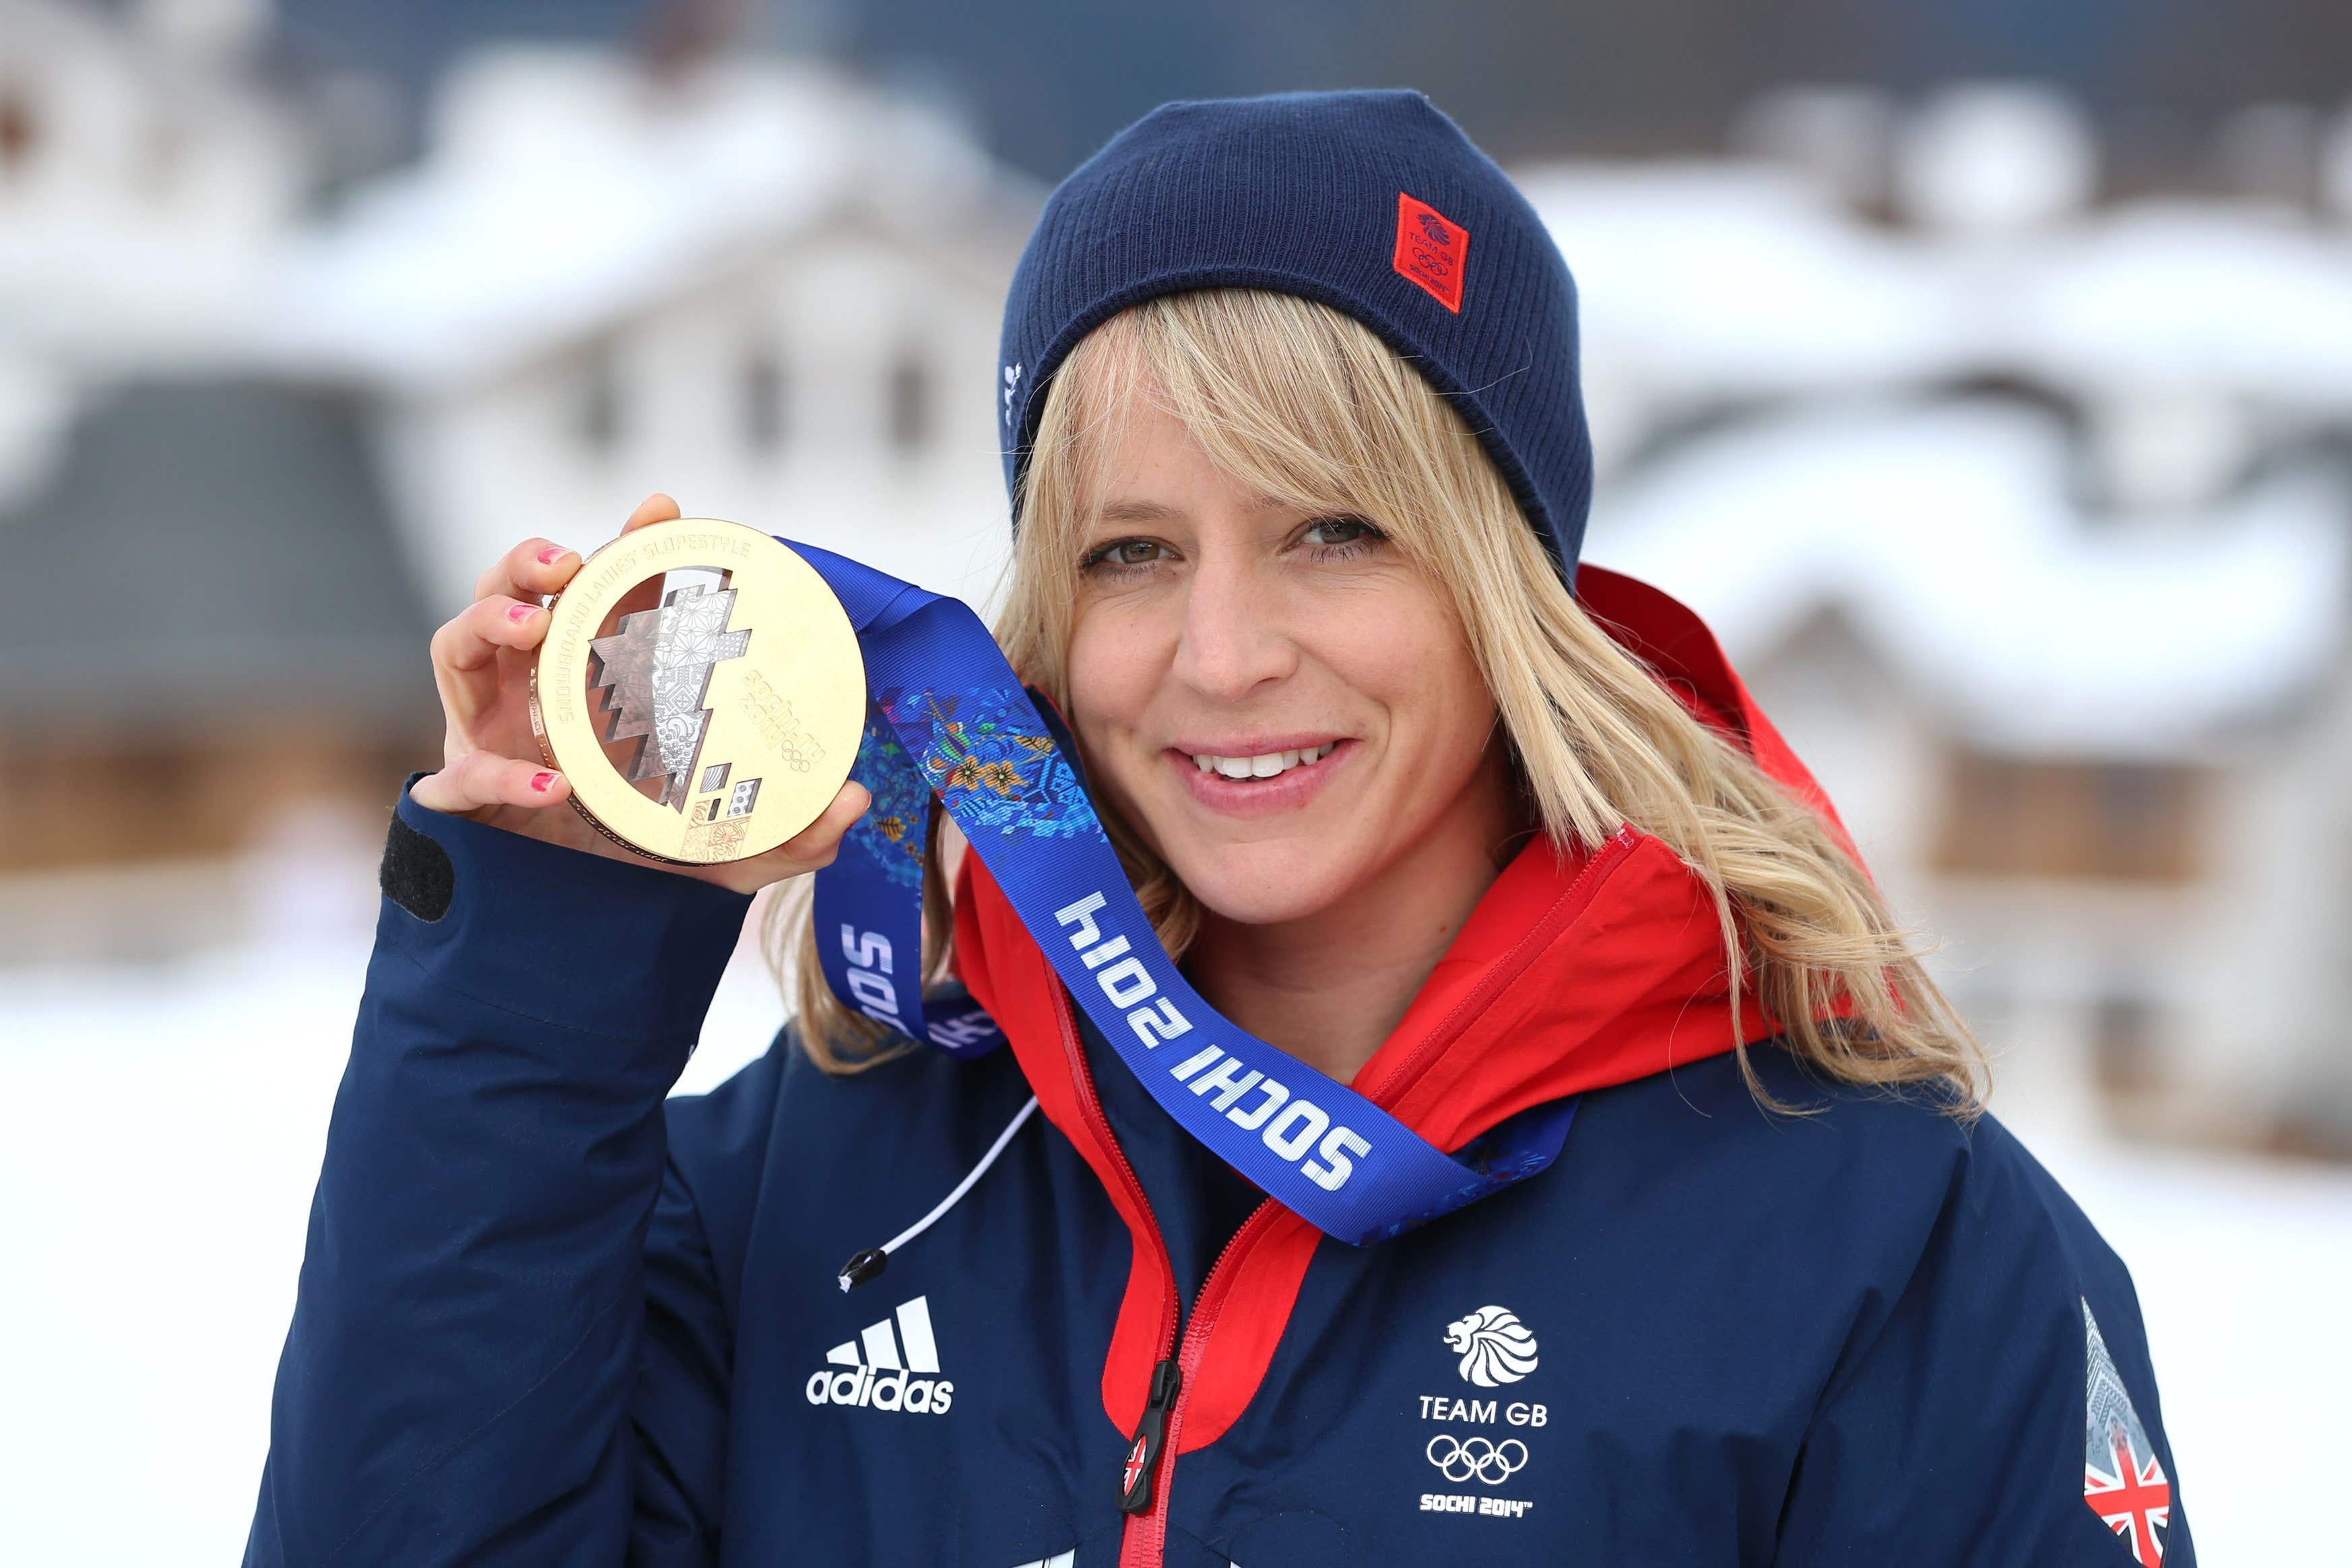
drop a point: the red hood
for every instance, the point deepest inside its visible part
(1573, 972)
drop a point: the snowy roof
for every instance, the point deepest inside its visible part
(1740, 279)
(2230, 297)
(1947, 535)
(566, 190)
(1730, 278)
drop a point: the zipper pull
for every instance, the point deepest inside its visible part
(1135, 1481)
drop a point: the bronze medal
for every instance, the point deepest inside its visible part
(718, 722)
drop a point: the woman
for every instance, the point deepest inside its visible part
(1299, 475)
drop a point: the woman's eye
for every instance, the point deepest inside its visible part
(1342, 536)
(1128, 553)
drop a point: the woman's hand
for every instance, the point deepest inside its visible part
(481, 665)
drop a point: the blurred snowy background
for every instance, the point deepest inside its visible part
(1983, 370)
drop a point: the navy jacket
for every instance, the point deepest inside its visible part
(547, 1317)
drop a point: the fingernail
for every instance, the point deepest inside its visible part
(543, 782)
(519, 611)
(552, 554)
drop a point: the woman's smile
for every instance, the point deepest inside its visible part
(1260, 780)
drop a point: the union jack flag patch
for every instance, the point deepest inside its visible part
(2123, 1481)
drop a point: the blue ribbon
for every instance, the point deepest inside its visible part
(949, 718)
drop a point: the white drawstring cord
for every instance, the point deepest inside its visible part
(870, 1262)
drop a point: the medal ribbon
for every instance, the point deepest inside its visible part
(980, 746)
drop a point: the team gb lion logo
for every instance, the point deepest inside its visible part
(1495, 1346)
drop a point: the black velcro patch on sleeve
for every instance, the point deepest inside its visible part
(416, 874)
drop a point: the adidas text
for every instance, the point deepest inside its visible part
(870, 1373)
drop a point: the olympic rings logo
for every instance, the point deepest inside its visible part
(1491, 1463)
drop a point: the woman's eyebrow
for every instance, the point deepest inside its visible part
(1124, 510)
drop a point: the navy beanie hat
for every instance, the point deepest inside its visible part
(1370, 202)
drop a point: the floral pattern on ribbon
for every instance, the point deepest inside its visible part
(890, 834)
(992, 763)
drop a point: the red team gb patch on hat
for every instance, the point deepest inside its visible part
(1431, 250)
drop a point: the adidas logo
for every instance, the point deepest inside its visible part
(876, 1375)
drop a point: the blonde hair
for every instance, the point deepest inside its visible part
(1305, 404)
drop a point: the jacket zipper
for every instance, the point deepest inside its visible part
(1144, 1450)
(1144, 1543)
(1135, 1480)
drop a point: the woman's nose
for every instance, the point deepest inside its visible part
(1234, 638)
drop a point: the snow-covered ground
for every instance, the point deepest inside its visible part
(164, 1130)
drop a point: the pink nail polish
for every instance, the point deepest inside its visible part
(550, 555)
(519, 611)
(542, 782)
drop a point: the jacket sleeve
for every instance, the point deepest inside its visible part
(1968, 1418)
(507, 1345)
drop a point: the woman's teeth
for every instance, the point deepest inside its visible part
(1263, 766)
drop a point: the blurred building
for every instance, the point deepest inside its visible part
(757, 285)
(207, 637)
(252, 450)
(150, 165)
(2031, 523)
